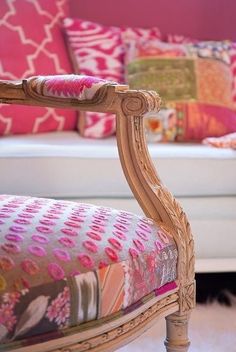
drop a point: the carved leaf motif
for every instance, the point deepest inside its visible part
(191, 258)
(183, 233)
(32, 315)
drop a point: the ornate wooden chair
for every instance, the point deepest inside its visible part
(78, 277)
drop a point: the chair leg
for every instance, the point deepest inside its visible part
(177, 332)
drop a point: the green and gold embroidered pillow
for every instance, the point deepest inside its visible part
(195, 82)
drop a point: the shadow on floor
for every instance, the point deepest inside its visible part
(219, 287)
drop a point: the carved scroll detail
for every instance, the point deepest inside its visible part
(135, 103)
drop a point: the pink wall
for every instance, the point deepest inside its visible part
(201, 19)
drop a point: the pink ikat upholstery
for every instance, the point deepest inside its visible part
(64, 263)
(80, 87)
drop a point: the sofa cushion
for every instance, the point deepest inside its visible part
(63, 165)
(33, 44)
(64, 263)
(180, 39)
(98, 50)
(195, 82)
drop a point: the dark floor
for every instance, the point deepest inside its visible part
(217, 286)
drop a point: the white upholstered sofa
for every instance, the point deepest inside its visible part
(65, 165)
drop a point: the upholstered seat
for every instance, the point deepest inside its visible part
(65, 257)
(79, 277)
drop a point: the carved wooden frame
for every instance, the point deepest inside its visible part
(130, 107)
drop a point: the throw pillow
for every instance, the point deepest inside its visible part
(181, 39)
(227, 141)
(32, 45)
(97, 50)
(195, 82)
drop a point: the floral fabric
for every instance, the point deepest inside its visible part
(57, 314)
(54, 255)
(195, 82)
(97, 50)
(33, 44)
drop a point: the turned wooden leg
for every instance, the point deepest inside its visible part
(177, 333)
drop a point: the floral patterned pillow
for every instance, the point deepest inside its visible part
(97, 50)
(196, 83)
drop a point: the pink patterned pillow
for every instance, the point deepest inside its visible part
(32, 45)
(97, 50)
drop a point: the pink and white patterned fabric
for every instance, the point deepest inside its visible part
(78, 87)
(97, 50)
(67, 237)
(64, 263)
(227, 141)
(33, 44)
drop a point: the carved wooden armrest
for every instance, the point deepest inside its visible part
(92, 94)
(70, 91)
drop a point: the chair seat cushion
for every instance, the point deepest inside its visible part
(64, 263)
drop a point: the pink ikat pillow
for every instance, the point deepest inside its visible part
(97, 50)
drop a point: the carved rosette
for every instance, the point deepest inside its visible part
(187, 297)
